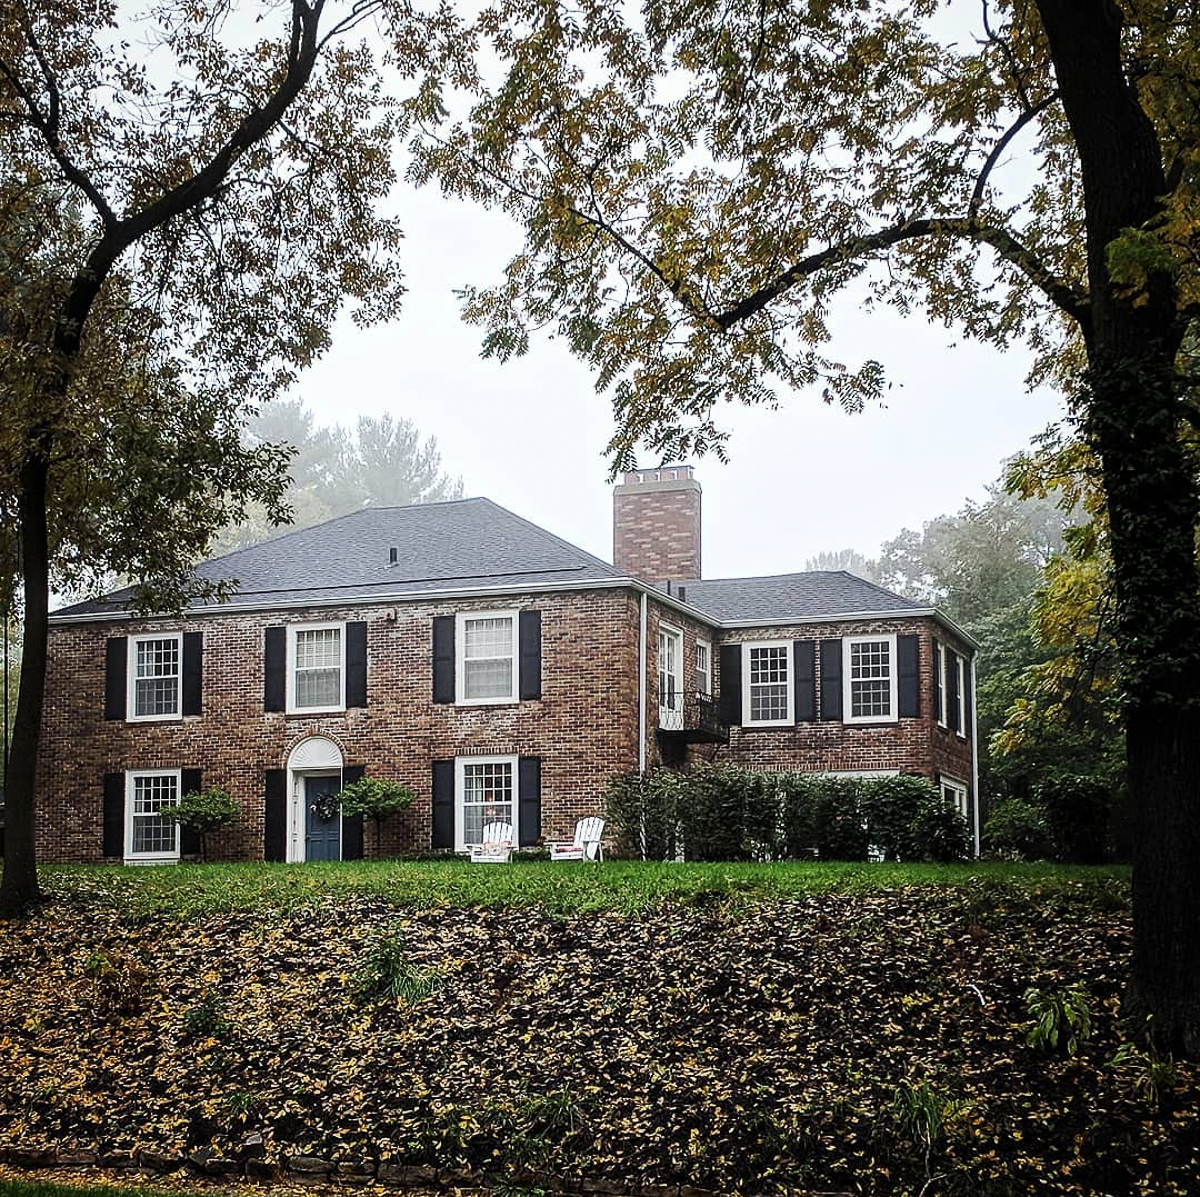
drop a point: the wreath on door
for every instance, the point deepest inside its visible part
(325, 808)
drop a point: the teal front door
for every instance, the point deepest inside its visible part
(323, 819)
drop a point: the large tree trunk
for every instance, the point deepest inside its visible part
(1132, 415)
(19, 885)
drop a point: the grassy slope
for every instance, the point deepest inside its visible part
(572, 888)
(752, 1030)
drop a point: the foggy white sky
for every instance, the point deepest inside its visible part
(806, 478)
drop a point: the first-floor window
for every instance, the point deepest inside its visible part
(767, 683)
(954, 794)
(148, 836)
(155, 673)
(870, 673)
(486, 792)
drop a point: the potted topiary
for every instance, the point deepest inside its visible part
(376, 799)
(204, 811)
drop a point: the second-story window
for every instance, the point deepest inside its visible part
(155, 676)
(704, 668)
(317, 673)
(487, 657)
(767, 684)
(870, 675)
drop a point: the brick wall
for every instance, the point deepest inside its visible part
(583, 728)
(656, 525)
(910, 745)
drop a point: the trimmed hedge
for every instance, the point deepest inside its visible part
(720, 812)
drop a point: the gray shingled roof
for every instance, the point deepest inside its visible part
(464, 544)
(475, 544)
(790, 598)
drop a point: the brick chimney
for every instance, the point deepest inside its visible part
(656, 524)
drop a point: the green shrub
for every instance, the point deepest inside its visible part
(206, 1020)
(797, 799)
(204, 811)
(1017, 829)
(1078, 810)
(939, 832)
(375, 799)
(841, 823)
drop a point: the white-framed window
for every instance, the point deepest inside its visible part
(485, 791)
(704, 668)
(960, 663)
(148, 836)
(316, 668)
(670, 675)
(486, 650)
(940, 652)
(954, 794)
(869, 679)
(767, 684)
(155, 677)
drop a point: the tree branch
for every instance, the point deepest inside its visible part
(999, 148)
(1065, 297)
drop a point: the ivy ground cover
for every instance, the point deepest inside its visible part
(742, 1029)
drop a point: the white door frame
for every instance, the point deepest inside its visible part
(315, 756)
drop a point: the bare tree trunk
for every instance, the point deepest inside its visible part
(19, 884)
(1132, 415)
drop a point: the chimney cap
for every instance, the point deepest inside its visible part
(680, 472)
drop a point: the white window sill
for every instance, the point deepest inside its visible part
(174, 717)
(151, 860)
(869, 720)
(315, 710)
(767, 723)
(505, 700)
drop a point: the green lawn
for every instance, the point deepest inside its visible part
(570, 888)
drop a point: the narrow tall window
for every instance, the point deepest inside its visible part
(960, 664)
(318, 668)
(704, 668)
(487, 656)
(148, 836)
(870, 679)
(939, 678)
(767, 684)
(155, 676)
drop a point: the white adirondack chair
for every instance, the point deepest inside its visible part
(497, 845)
(588, 843)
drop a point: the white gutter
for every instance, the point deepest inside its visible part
(642, 687)
(974, 756)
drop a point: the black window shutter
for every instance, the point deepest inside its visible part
(193, 672)
(443, 662)
(939, 697)
(531, 654)
(275, 816)
(189, 837)
(275, 671)
(114, 814)
(529, 800)
(442, 833)
(831, 679)
(806, 680)
(356, 664)
(115, 658)
(908, 676)
(952, 690)
(352, 825)
(731, 685)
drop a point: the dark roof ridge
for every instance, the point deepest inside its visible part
(884, 589)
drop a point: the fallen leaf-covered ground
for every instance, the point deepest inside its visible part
(864, 1041)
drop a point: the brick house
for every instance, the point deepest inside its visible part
(493, 668)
